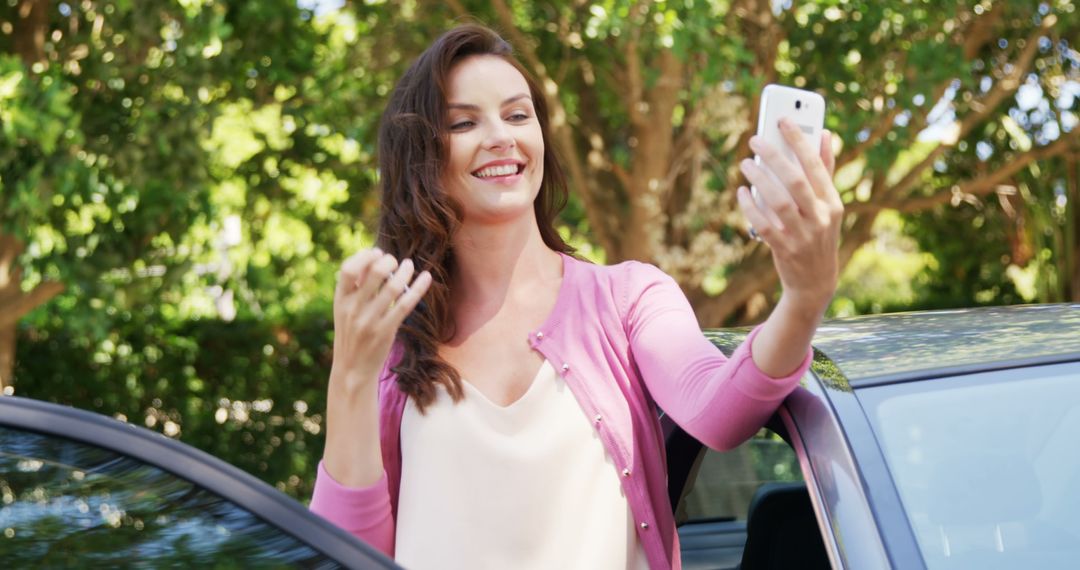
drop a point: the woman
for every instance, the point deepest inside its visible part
(498, 408)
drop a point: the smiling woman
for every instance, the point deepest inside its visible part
(498, 409)
(464, 106)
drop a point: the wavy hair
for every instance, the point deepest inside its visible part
(418, 217)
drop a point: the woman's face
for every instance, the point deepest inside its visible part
(496, 148)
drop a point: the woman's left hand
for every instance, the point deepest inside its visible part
(798, 214)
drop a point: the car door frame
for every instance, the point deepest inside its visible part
(858, 507)
(197, 467)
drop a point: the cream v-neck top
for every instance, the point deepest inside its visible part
(525, 486)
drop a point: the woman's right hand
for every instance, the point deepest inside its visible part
(374, 294)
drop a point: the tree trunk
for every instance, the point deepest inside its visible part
(756, 275)
(32, 21)
(1072, 228)
(7, 356)
(860, 232)
(15, 303)
(28, 41)
(10, 276)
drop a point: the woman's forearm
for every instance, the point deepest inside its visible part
(785, 337)
(353, 456)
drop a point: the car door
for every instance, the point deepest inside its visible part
(80, 489)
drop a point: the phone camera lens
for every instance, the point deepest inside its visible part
(798, 104)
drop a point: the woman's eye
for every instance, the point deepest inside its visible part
(460, 125)
(517, 117)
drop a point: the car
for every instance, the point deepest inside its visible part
(79, 489)
(940, 439)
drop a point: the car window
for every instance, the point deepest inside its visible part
(986, 465)
(69, 504)
(727, 481)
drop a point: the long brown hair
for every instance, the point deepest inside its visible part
(418, 218)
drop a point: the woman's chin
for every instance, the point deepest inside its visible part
(501, 212)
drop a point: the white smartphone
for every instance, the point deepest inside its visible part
(806, 108)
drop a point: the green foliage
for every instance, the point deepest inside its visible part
(250, 391)
(885, 276)
(126, 155)
(967, 272)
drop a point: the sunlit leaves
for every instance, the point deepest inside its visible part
(241, 132)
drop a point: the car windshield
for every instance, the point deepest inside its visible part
(986, 465)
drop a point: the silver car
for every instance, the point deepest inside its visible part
(942, 439)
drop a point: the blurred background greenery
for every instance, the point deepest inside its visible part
(179, 180)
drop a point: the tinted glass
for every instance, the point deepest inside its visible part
(727, 481)
(67, 504)
(987, 465)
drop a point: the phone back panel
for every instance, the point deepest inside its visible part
(806, 108)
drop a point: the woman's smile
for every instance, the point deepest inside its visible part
(503, 172)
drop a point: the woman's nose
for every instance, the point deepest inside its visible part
(498, 136)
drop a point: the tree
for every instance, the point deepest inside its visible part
(653, 103)
(105, 107)
(129, 151)
(1016, 245)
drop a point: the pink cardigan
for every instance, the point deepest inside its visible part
(631, 325)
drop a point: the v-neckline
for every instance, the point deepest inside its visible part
(533, 387)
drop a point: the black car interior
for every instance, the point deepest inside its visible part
(780, 530)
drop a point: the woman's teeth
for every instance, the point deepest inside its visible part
(501, 170)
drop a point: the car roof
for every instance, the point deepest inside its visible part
(876, 349)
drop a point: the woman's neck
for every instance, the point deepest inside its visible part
(497, 263)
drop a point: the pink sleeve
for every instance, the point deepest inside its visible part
(363, 511)
(719, 401)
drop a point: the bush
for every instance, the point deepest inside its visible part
(249, 392)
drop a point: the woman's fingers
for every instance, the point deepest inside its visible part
(378, 272)
(354, 269)
(380, 288)
(814, 170)
(829, 159)
(391, 289)
(374, 294)
(827, 156)
(802, 196)
(408, 300)
(791, 188)
(806, 184)
(775, 201)
(758, 219)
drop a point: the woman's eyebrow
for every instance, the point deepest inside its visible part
(469, 107)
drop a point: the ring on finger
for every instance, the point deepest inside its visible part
(754, 235)
(404, 286)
